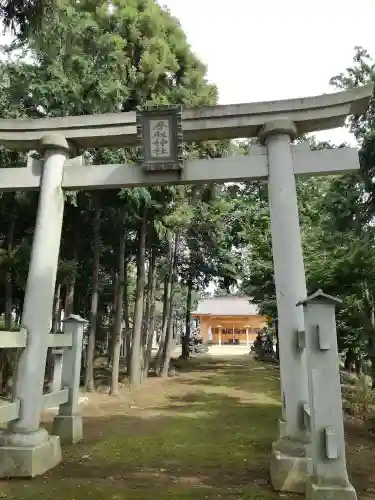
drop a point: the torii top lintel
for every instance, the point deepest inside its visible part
(310, 114)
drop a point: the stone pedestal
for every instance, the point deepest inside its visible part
(289, 465)
(69, 428)
(28, 455)
(330, 492)
(289, 461)
(26, 450)
(329, 478)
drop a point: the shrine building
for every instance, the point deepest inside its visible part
(228, 320)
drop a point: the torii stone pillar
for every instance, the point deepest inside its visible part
(289, 454)
(27, 450)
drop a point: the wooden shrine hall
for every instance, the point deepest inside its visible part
(228, 320)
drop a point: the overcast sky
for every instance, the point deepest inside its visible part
(258, 50)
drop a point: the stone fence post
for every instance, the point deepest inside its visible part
(329, 478)
(57, 353)
(68, 423)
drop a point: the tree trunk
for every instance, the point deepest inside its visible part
(166, 306)
(55, 327)
(349, 360)
(56, 316)
(70, 287)
(147, 302)
(116, 337)
(277, 339)
(126, 333)
(358, 366)
(8, 320)
(90, 359)
(167, 351)
(372, 373)
(69, 297)
(18, 315)
(186, 339)
(111, 333)
(165, 294)
(371, 345)
(150, 314)
(168, 344)
(135, 377)
(9, 357)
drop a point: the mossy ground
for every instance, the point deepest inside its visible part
(206, 434)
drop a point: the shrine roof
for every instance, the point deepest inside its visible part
(229, 305)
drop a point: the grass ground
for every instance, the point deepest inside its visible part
(206, 434)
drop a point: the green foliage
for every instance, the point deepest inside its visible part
(361, 399)
(23, 15)
(92, 57)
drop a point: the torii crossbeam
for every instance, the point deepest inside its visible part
(77, 176)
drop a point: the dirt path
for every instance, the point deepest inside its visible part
(206, 434)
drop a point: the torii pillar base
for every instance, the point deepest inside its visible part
(28, 455)
(330, 492)
(289, 465)
(69, 428)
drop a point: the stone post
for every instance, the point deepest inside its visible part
(68, 423)
(57, 354)
(289, 454)
(329, 478)
(25, 449)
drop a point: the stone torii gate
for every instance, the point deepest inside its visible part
(276, 124)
